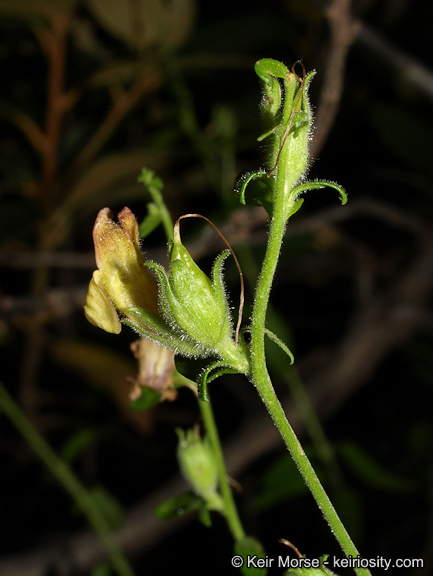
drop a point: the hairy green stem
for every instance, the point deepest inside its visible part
(69, 481)
(230, 510)
(291, 376)
(260, 376)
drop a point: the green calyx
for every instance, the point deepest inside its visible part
(198, 465)
(287, 120)
(288, 123)
(196, 310)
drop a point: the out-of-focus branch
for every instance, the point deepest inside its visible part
(343, 33)
(53, 42)
(407, 68)
(123, 102)
(31, 310)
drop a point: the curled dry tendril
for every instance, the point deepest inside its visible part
(241, 277)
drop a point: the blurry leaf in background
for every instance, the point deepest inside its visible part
(350, 507)
(105, 369)
(34, 10)
(143, 23)
(280, 482)
(178, 506)
(122, 72)
(369, 471)
(102, 570)
(249, 547)
(76, 444)
(112, 178)
(108, 506)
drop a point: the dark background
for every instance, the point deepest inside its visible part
(352, 292)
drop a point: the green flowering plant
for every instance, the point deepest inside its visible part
(187, 312)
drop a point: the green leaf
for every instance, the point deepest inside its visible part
(205, 518)
(111, 178)
(256, 189)
(178, 506)
(206, 377)
(350, 508)
(317, 185)
(108, 506)
(103, 569)
(281, 344)
(149, 399)
(144, 23)
(370, 471)
(280, 482)
(76, 444)
(150, 180)
(250, 547)
(151, 221)
(32, 10)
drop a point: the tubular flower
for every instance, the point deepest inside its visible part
(156, 369)
(122, 282)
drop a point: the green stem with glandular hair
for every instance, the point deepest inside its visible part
(262, 381)
(230, 510)
(70, 482)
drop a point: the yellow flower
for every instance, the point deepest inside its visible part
(122, 281)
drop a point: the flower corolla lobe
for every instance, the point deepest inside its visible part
(122, 281)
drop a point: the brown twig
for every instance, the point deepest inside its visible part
(343, 33)
(408, 69)
(52, 39)
(53, 43)
(123, 102)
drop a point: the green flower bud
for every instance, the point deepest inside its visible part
(199, 304)
(196, 306)
(296, 140)
(292, 124)
(198, 465)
